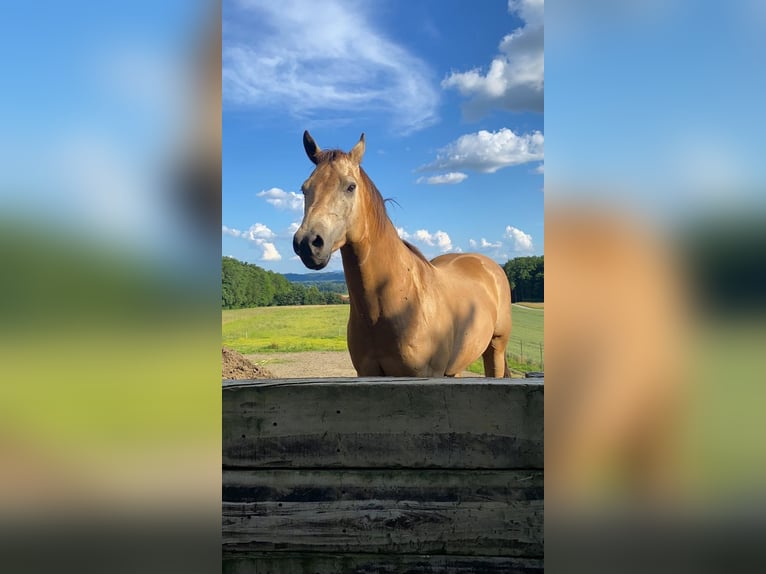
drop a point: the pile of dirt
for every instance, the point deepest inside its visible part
(236, 366)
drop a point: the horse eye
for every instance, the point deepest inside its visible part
(351, 187)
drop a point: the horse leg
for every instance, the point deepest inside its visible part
(365, 364)
(369, 368)
(495, 364)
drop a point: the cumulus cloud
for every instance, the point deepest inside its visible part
(257, 234)
(531, 11)
(515, 78)
(452, 177)
(487, 152)
(319, 62)
(282, 199)
(484, 245)
(540, 168)
(490, 245)
(270, 252)
(439, 239)
(230, 231)
(521, 241)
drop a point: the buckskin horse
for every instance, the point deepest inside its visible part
(409, 317)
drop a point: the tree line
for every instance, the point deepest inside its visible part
(247, 285)
(527, 278)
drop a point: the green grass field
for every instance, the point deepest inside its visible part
(286, 329)
(526, 349)
(323, 328)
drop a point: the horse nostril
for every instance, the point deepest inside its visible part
(318, 242)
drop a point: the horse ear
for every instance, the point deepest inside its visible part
(358, 151)
(311, 147)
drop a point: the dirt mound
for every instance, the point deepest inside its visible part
(236, 366)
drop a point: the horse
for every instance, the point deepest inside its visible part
(409, 317)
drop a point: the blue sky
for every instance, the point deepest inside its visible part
(656, 105)
(99, 109)
(449, 95)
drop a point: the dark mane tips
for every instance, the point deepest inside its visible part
(416, 251)
(380, 216)
(329, 155)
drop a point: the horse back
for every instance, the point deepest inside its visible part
(466, 275)
(472, 267)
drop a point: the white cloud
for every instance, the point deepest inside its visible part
(540, 168)
(424, 236)
(444, 178)
(282, 199)
(521, 241)
(293, 227)
(483, 244)
(490, 245)
(440, 239)
(257, 234)
(323, 63)
(270, 252)
(487, 152)
(230, 231)
(515, 78)
(531, 11)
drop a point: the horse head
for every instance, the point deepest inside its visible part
(332, 206)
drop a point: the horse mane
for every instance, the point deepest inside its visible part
(329, 155)
(416, 251)
(379, 214)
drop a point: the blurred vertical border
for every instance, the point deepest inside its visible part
(110, 185)
(656, 290)
(109, 290)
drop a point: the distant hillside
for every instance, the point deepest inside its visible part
(247, 285)
(321, 277)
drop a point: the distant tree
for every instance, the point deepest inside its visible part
(233, 283)
(248, 285)
(332, 298)
(526, 276)
(281, 286)
(313, 296)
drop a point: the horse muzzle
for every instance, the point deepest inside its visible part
(312, 249)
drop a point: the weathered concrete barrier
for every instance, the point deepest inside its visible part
(383, 475)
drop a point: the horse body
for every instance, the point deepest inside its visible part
(409, 316)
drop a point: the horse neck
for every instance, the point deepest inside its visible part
(379, 270)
